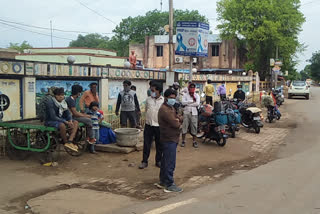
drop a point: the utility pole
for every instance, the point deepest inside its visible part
(161, 5)
(191, 74)
(170, 34)
(276, 73)
(51, 33)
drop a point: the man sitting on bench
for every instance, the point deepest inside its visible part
(58, 116)
(76, 91)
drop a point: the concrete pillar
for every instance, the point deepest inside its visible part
(29, 97)
(169, 78)
(104, 94)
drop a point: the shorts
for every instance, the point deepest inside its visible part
(125, 115)
(191, 121)
(55, 124)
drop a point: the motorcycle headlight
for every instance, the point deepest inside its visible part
(282, 96)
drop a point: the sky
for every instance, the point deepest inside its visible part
(74, 15)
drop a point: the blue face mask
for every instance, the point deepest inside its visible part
(153, 94)
(239, 89)
(171, 101)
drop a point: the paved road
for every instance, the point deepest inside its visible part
(287, 185)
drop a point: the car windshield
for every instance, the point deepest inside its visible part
(299, 83)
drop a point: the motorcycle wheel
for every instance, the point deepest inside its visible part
(270, 119)
(223, 143)
(256, 128)
(233, 131)
(278, 117)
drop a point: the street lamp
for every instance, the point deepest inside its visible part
(230, 72)
(244, 74)
(194, 70)
(71, 59)
(126, 64)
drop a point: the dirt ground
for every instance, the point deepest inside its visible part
(119, 173)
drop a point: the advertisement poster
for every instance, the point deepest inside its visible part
(9, 100)
(192, 39)
(42, 87)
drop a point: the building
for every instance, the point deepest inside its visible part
(86, 56)
(223, 55)
(8, 53)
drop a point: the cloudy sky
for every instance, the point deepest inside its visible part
(74, 15)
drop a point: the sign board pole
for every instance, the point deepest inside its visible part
(191, 74)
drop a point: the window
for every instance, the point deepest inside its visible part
(159, 51)
(215, 50)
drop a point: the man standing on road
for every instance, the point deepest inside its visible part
(76, 90)
(128, 101)
(191, 101)
(151, 128)
(222, 92)
(208, 90)
(170, 124)
(88, 97)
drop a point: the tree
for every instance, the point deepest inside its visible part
(93, 40)
(305, 73)
(263, 25)
(21, 47)
(135, 29)
(315, 66)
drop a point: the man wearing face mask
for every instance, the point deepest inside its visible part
(128, 101)
(222, 92)
(239, 94)
(191, 101)
(151, 129)
(169, 123)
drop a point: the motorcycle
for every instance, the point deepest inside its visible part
(251, 116)
(277, 93)
(234, 117)
(273, 113)
(211, 128)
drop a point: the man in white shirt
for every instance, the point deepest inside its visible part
(191, 101)
(151, 129)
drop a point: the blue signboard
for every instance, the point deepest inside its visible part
(192, 39)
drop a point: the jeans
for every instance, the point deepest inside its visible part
(148, 134)
(88, 123)
(209, 100)
(96, 135)
(168, 163)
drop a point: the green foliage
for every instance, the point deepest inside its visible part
(305, 73)
(315, 66)
(135, 29)
(264, 25)
(21, 47)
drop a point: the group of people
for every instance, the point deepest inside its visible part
(61, 113)
(165, 123)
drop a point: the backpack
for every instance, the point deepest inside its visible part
(42, 107)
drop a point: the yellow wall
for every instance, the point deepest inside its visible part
(80, 59)
(73, 50)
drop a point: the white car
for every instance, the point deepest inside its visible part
(299, 88)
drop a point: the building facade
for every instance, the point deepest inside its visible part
(87, 56)
(222, 54)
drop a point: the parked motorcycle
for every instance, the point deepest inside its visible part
(273, 113)
(251, 116)
(211, 127)
(277, 93)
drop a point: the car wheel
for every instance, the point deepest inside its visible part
(307, 96)
(289, 96)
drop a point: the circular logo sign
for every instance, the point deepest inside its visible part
(192, 42)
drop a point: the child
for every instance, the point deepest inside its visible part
(96, 118)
